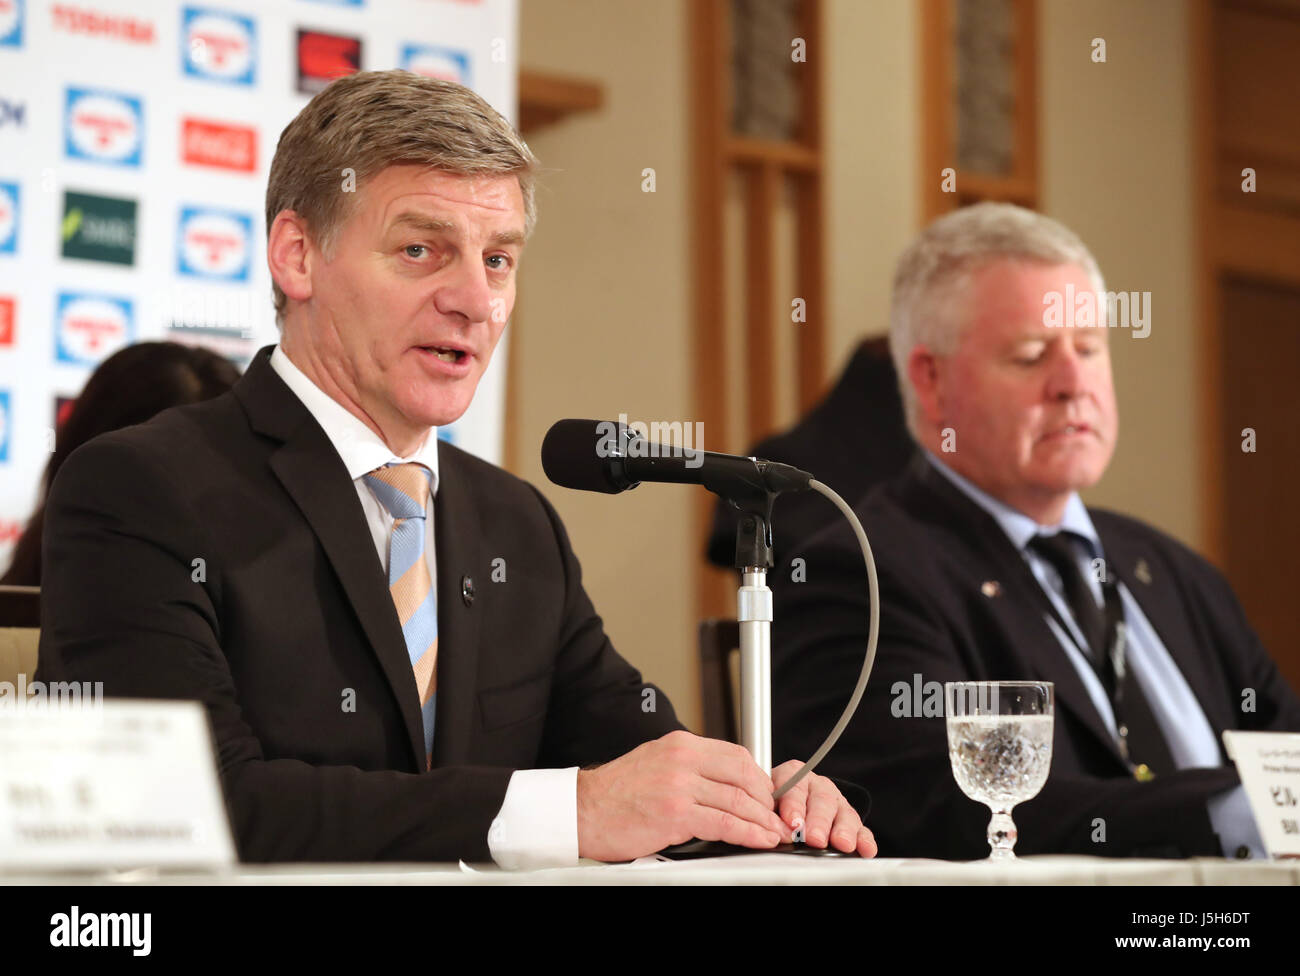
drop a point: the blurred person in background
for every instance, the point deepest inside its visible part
(129, 387)
(991, 568)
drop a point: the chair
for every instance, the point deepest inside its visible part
(719, 669)
(20, 620)
(20, 606)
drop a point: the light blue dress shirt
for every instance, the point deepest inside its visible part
(1191, 740)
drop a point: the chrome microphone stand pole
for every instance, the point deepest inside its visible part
(754, 614)
(754, 611)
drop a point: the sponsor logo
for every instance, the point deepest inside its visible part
(62, 407)
(5, 425)
(219, 144)
(98, 228)
(88, 327)
(446, 63)
(323, 57)
(11, 23)
(83, 20)
(103, 127)
(8, 320)
(218, 46)
(233, 343)
(214, 243)
(12, 113)
(8, 218)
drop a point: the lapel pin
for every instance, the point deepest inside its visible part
(467, 590)
(991, 588)
(1143, 572)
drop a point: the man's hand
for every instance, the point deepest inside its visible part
(816, 805)
(681, 787)
(671, 790)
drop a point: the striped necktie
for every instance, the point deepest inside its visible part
(403, 489)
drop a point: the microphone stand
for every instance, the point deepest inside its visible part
(754, 613)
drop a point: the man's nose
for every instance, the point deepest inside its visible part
(465, 293)
(1068, 378)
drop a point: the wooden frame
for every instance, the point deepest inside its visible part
(939, 120)
(768, 166)
(1209, 296)
(545, 99)
(1230, 239)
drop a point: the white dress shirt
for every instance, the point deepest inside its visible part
(537, 825)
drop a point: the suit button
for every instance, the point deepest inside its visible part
(1243, 852)
(467, 590)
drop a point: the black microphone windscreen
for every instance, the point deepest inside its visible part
(571, 455)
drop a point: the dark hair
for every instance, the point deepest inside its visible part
(128, 387)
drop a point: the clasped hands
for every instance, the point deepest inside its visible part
(682, 786)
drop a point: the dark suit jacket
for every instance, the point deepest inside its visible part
(935, 549)
(219, 553)
(853, 440)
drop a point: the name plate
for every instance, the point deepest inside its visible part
(110, 784)
(1269, 766)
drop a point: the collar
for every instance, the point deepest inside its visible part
(357, 445)
(1020, 528)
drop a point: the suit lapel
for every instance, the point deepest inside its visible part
(314, 477)
(458, 539)
(992, 557)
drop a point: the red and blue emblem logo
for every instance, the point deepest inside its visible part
(9, 197)
(5, 425)
(218, 46)
(446, 63)
(103, 127)
(214, 244)
(89, 327)
(11, 23)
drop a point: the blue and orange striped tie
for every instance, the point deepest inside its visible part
(403, 489)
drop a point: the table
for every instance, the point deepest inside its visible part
(750, 869)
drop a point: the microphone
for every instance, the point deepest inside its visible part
(610, 457)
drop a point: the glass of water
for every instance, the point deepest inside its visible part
(1000, 746)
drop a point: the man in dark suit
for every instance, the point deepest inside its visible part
(390, 636)
(991, 568)
(853, 440)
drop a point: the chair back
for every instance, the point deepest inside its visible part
(20, 621)
(719, 647)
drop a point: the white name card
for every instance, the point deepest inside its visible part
(110, 784)
(1269, 766)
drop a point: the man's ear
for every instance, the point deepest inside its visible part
(289, 254)
(923, 371)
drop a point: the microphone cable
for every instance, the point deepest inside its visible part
(868, 662)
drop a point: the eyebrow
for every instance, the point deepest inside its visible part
(421, 222)
(433, 225)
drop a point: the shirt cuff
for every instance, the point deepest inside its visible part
(537, 825)
(1233, 821)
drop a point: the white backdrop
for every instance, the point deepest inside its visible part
(135, 140)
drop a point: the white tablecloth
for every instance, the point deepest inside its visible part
(750, 869)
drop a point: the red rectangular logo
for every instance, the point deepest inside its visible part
(323, 57)
(219, 144)
(6, 321)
